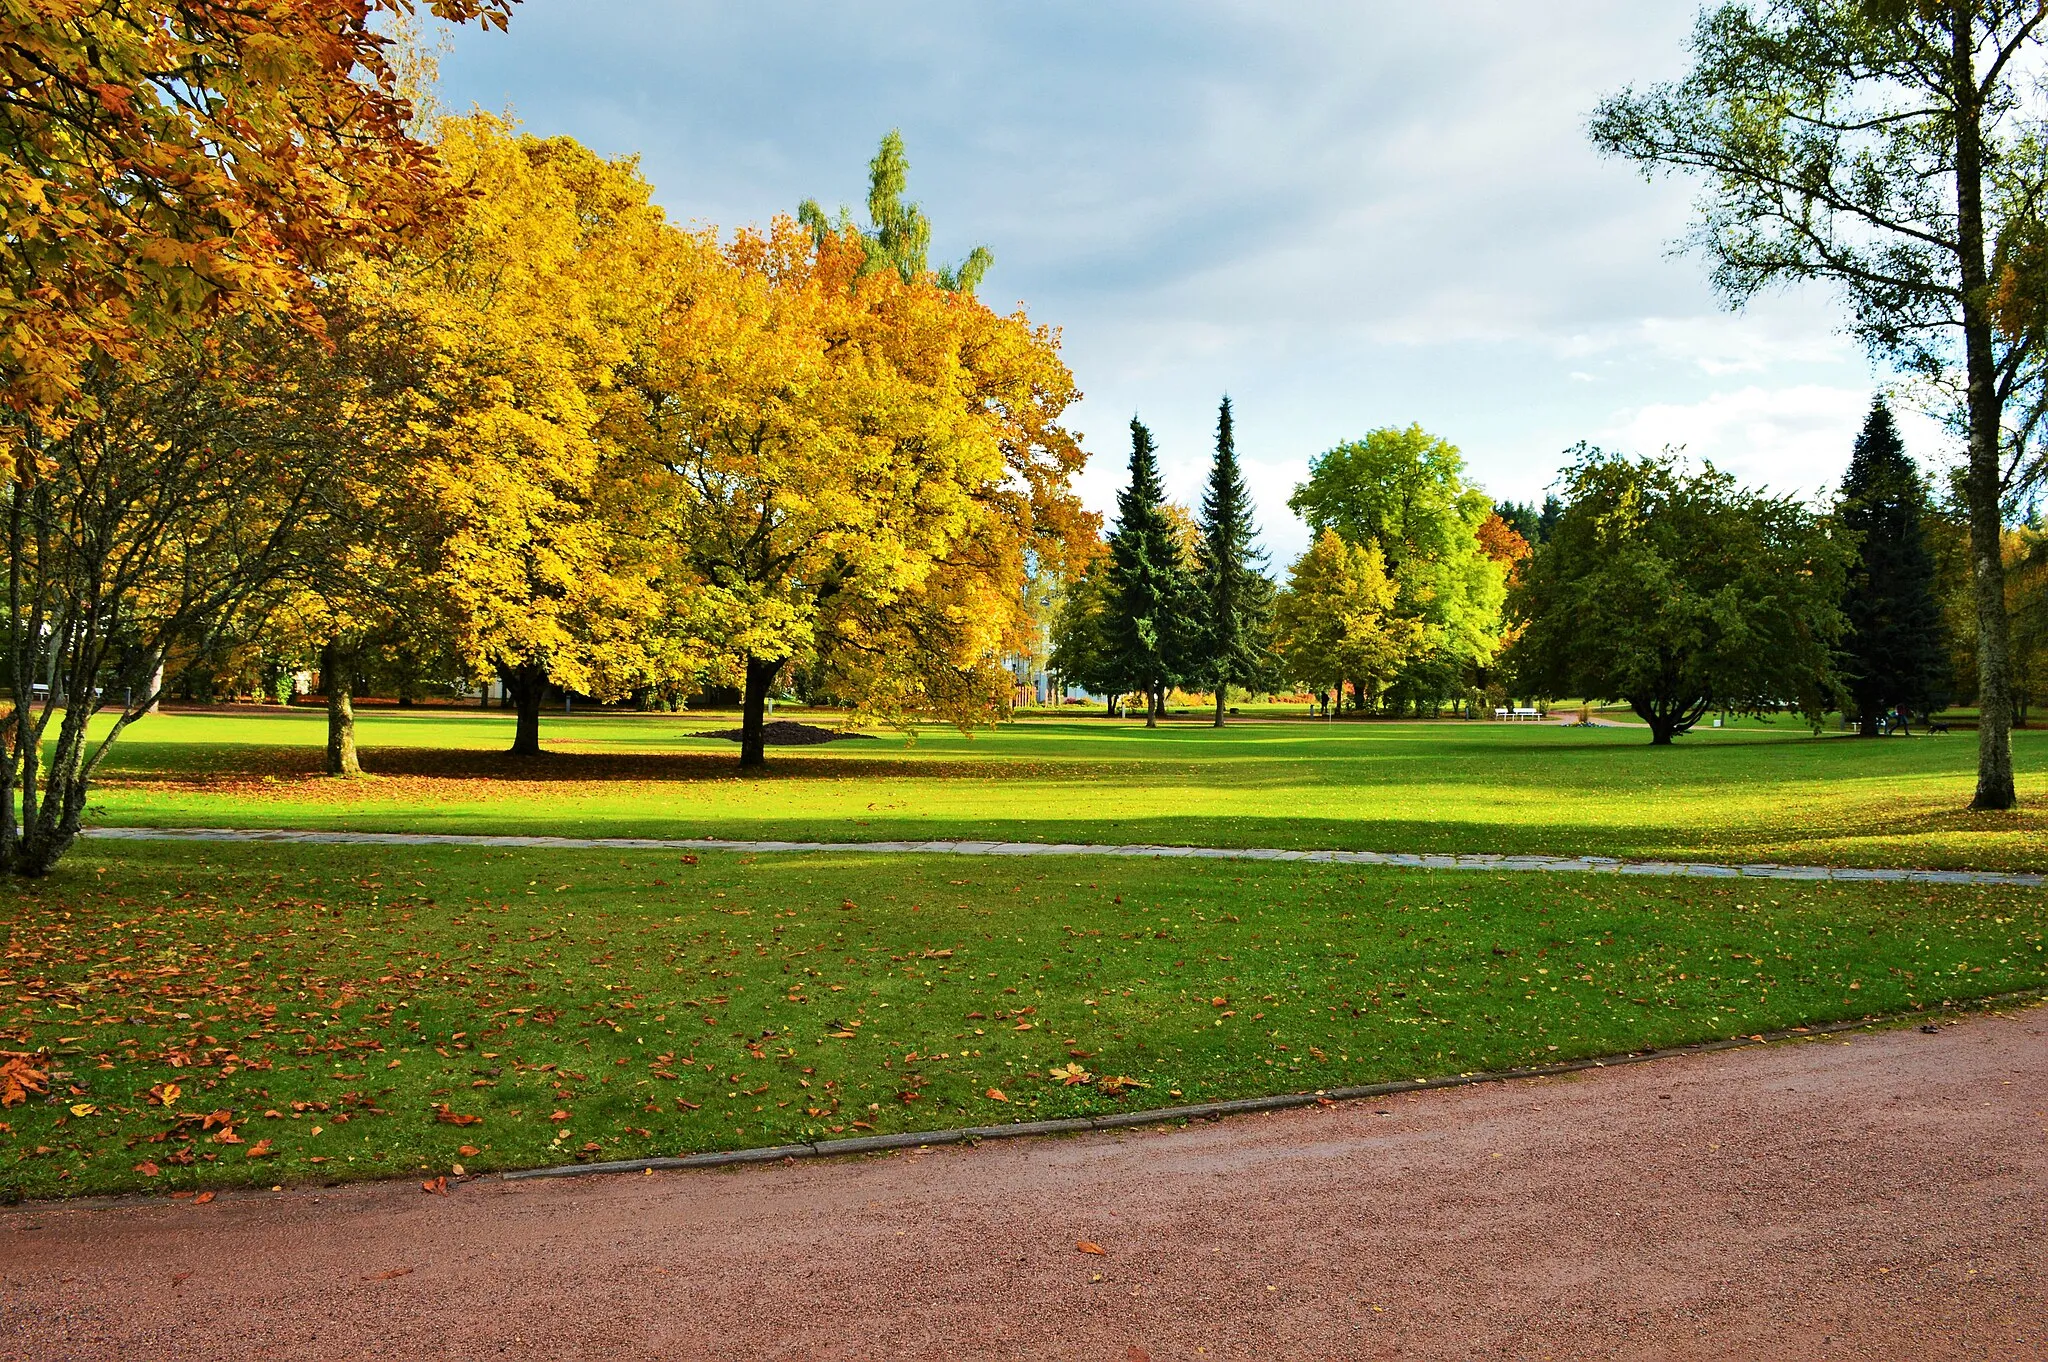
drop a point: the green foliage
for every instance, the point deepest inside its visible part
(1405, 490)
(1893, 149)
(1152, 630)
(1081, 652)
(1236, 596)
(900, 236)
(1525, 520)
(1681, 593)
(1894, 655)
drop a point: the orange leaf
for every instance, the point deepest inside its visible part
(454, 1118)
(388, 1275)
(996, 1095)
(147, 1169)
(438, 1186)
(1090, 1246)
(260, 1149)
(469, 1151)
(202, 1198)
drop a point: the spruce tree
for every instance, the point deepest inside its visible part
(1236, 596)
(1894, 655)
(1150, 627)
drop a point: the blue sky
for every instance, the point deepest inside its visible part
(1346, 215)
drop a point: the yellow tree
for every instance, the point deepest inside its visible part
(850, 470)
(488, 504)
(1335, 624)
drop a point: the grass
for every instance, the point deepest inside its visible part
(1753, 791)
(331, 1012)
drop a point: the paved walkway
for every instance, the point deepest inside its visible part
(1469, 861)
(1877, 1196)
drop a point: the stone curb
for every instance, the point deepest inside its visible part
(921, 1139)
(1487, 861)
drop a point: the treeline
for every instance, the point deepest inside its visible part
(527, 428)
(1397, 604)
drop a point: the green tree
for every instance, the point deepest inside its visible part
(1895, 655)
(1236, 596)
(1680, 593)
(1335, 624)
(1405, 490)
(900, 235)
(1893, 149)
(1524, 519)
(1081, 651)
(1151, 629)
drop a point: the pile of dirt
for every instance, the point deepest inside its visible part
(788, 733)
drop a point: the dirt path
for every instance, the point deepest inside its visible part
(1874, 1197)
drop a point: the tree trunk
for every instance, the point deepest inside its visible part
(1222, 696)
(525, 684)
(753, 711)
(156, 687)
(337, 676)
(1981, 484)
(1152, 707)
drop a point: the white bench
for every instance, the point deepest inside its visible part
(1518, 715)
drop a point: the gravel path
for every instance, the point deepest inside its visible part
(1474, 861)
(1875, 1196)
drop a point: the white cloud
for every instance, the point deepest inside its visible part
(1794, 439)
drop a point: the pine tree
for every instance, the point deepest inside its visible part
(1894, 655)
(1150, 628)
(1236, 596)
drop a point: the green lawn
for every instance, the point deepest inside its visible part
(335, 1012)
(1753, 791)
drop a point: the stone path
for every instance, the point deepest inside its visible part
(1416, 861)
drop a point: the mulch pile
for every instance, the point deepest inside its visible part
(787, 733)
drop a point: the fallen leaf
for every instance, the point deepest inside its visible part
(1118, 1083)
(202, 1198)
(388, 1275)
(1137, 1354)
(147, 1169)
(996, 1095)
(457, 1118)
(1090, 1246)
(258, 1150)
(164, 1095)
(84, 1109)
(179, 1278)
(1070, 1074)
(18, 1078)
(559, 1116)
(469, 1151)
(689, 859)
(438, 1186)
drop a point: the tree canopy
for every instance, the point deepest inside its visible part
(1681, 593)
(1894, 655)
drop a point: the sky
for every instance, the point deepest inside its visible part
(1345, 215)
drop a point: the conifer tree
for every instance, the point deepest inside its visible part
(1236, 596)
(1150, 628)
(1894, 655)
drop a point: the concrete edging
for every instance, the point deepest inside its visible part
(1075, 1125)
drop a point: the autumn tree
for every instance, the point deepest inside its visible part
(496, 526)
(1892, 149)
(1336, 623)
(169, 161)
(1235, 597)
(1680, 593)
(1894, 655)
(848, 471)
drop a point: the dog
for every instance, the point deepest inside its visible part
(1934, 727)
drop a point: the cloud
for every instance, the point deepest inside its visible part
(1792, 440)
